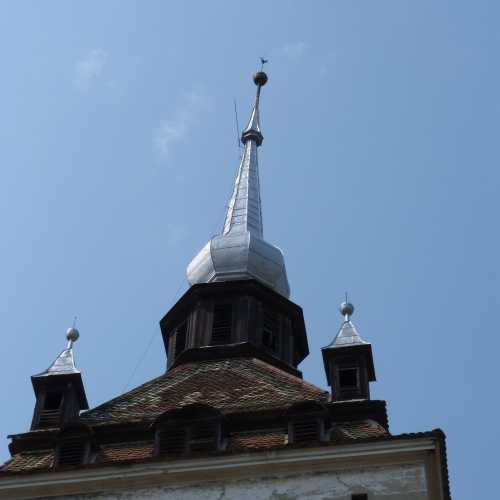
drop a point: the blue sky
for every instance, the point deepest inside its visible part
(379, 172)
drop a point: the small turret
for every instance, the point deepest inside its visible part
(59, 391)
(349, 361)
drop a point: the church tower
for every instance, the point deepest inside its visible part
(231, 416)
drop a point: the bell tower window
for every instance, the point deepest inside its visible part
(270, 331)
(349, 378)
(50, 413)
(180, 338)
(222, 322)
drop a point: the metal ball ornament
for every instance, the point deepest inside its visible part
(72, 334)
(346, 309)
(260, 78)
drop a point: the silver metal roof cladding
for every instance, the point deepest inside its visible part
(64, 364)
(347, 335)
(240, 252)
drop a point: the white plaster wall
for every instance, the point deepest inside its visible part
(404, 482)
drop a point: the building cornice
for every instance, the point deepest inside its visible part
(171, 473)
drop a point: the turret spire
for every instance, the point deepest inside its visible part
(240, 252)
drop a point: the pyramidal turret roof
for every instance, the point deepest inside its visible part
(64, 364)
(347, 335)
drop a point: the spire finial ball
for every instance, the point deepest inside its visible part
(72, 334)
(346, 309)
(260, 78)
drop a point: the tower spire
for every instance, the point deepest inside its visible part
(244, 210)
(241, 252)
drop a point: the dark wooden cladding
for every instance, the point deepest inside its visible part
(49, 418)
(171, 441)
(349, 371)
(59, 399)
(189, 437)
(230, 313)
(180, 338)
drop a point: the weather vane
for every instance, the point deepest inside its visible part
(262, 62)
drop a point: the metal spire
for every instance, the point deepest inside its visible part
(244, 210)
(240, 252)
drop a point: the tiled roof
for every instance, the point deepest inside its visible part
(230, 385)
(29, 462)
(247, 441)
(359, 430)
(126, 451)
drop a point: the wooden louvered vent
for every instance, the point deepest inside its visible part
(203, 437)
(171, 442)
(306, 430)
(270, 331)
(49, 418)
(180, 338)
(72, 451)
(50, 414)
(196, 437)
(221, 326)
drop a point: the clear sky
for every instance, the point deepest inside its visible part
(379, 172)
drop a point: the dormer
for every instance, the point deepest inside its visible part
(75, 445)
(308, 421)
(193, 429)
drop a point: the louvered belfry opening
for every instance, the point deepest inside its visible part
(270, 331)
(222, 323)
(234, 318)
(50, 414)
(180, 338)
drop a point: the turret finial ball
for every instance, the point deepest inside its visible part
(72, 334)
(346, 309)
(260, 78)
